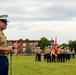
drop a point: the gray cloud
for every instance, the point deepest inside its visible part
(58, 10)
(37, 18)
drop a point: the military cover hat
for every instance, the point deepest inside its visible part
(3, 18)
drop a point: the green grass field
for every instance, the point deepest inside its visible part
(26, 65)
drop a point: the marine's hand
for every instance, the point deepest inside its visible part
(15, 45)
(9, 48)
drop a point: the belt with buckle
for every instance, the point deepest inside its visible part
(3, 54)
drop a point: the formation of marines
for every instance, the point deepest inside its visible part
(62, 55)
(49, 54)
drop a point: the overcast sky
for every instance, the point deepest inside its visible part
(34, 19)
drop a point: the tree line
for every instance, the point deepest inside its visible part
(44, 42)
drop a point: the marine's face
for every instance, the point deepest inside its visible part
(3, 25)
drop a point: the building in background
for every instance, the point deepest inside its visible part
(26, 44)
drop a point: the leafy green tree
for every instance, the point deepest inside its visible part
(43, 42)
(72, 44)
(63, 45)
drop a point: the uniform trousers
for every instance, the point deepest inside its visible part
(3, 65)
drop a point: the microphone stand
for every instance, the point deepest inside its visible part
(10, 44)
(10, 62)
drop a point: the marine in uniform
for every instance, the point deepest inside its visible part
(67, 54)
(62, 55)
(4, 48)
(48, 49)
(45, 55)
(53, 55)
(38, 54)
(73, 53)
(59, 55)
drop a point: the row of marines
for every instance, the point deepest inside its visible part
(50, 56)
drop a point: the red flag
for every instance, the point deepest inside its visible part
(55, 47)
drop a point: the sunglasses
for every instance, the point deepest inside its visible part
(4, 21)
